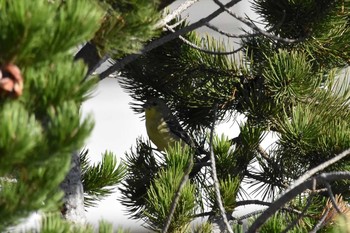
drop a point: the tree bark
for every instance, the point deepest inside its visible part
(73, 207)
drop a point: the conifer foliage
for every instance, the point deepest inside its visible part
(41, 92)
(288, 80)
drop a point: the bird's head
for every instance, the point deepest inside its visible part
(153, 105)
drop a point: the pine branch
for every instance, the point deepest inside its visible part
(158, 42)
(318, 168)
(331, 196)
(177, 12)
(254, 27)
(300, 185)
(99, 180)
(213, 27)
(292, 193)
(321, 222)
(215, 177)
(176, 198)
(204, 50)
(301, 215)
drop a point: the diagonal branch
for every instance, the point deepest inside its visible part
(175, 201)
(158, 42)
(215, 177)
(254, 27)
(204, 50)
(318, 168)
(300, 185)
(292, 193)
(331, 196)
(231, 35)
(320, 223)
(177, 12)
(302, 214)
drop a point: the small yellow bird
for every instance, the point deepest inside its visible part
(162, 127)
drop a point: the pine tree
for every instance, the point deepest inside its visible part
(288, 81)
(41, 91)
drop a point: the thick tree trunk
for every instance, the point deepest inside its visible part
(73, 207)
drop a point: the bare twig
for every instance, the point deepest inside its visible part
(263, 153)
(252, 202)
(215, 177)
(177, 23)
(177, 12)
(304, 182)
(204, 50)
(175, 201)
(265, 203)
(204, 214)
(213, 27)
(302, 214)
(321, 190)
(253, 26)
(331, 196)
(156, 43)
(318, 168)
(320, 223)
(292, 193)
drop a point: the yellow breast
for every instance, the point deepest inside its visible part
(158, 131)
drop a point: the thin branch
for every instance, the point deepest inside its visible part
(263, 153)
(204, 214)
(177, 23)
(177, 12)
(304, 182)
(214, 28)
(331, 196)
(252, 202)
(204, 50)
(292, 193)
(175, 201)
(302, 214)
(251, 214)
(215, 177)
(291, 210)
(254, 27)
(246, 35)
(318, 168)
(265, 203)
(316, 190)
(158, 42)
(320, 223)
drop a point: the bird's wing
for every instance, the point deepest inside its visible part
(177, 129)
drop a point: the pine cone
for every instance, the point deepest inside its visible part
(11, 81)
